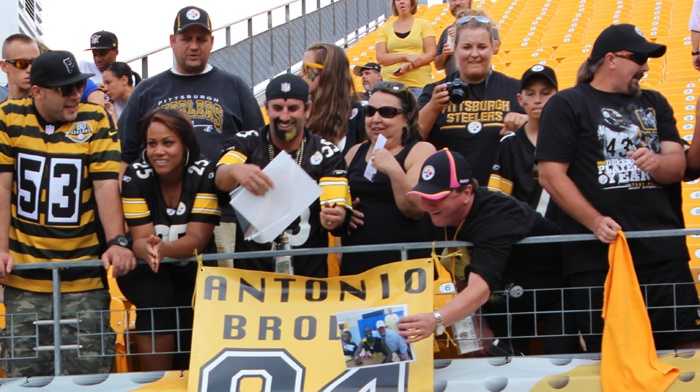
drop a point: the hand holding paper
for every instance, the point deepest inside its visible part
(370, 170)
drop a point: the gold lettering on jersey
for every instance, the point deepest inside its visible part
(486, 111)
(206, 113)
(80, 133)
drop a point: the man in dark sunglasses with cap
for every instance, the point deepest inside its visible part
(59, 198)
(18, 52)
(611, 158)
(493, 223)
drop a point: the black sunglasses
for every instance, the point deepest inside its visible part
(69, 89)
(20, 63)
(384, 111)
(638, 58)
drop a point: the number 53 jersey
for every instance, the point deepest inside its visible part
(53, 210)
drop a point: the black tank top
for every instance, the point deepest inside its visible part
(384, 222)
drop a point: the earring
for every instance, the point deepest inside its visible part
(143, 156)
(187, 157)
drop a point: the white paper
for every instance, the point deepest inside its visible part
(269, 215)
(370, 170)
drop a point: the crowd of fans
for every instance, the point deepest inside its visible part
(478, 156)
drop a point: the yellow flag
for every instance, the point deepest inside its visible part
(628, 357)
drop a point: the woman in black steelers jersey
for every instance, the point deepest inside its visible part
(171, 208)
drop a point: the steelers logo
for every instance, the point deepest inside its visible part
(537, 68)
(474, 127)
(316, 158)
(428, 173)
(192, 14)
(602, 179)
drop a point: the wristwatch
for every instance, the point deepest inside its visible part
(439, 326)
(120, 240)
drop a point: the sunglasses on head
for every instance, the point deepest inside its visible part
(638, 58)
(479, 18)
(20, 63)
(69, 89)
(384, 111)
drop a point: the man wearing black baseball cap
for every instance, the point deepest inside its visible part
(249, 151)
(610, 156)
(219, 103)
(514, 171)
(493, 222)
(105, 48)
(55, 147)
(371, 74)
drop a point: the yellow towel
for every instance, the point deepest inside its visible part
(628, 359)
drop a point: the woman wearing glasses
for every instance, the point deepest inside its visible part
(384, 213)
(406, 47)
(473, 108)
(336, 114)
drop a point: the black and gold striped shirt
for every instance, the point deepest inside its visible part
(54, 216)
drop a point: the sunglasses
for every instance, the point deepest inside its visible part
(479, 18)
(311, 70)
(70, 89)
(638, 58)
(384, 111)
(20, 63)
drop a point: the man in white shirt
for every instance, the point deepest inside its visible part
(105, 48)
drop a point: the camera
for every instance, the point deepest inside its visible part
(457, 90)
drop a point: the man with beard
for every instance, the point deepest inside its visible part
(610, 156)
(247, 152)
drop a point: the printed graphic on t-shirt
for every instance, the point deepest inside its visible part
(206, 112)
(476, 115)
(619, 135)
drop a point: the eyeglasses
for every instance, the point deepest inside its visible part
(384, 111)
(70, 89)
(20, 63)
(638, 58)
(479, 18)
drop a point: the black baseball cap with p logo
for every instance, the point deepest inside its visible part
(56, 68)
(191, 16)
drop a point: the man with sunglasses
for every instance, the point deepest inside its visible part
(59, 201)
(18, 52)
(611, 158)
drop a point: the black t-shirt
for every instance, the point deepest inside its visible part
(356, 126)
(472, 127)
(450, 66)
(515, 171)
(593, 131)
(320, 158)
(496, 222)
(143, 201)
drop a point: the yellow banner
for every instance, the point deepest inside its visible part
(265, 331)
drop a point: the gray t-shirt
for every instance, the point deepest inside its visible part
(450, 66)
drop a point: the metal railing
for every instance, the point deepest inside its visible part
(509, 310)
(258, 56)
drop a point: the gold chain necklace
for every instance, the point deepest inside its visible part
(300, 151)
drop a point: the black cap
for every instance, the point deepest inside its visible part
(624, 37)
(103, 40)
(191, 16)
(442, 172)
(56, 68)
(287, 86)
(373, 66)
(539, 71)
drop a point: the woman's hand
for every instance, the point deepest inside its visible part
(416, 327)
(332, 217)
(403, 69)
(384, 161)
(153, 248)
(358, 218)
